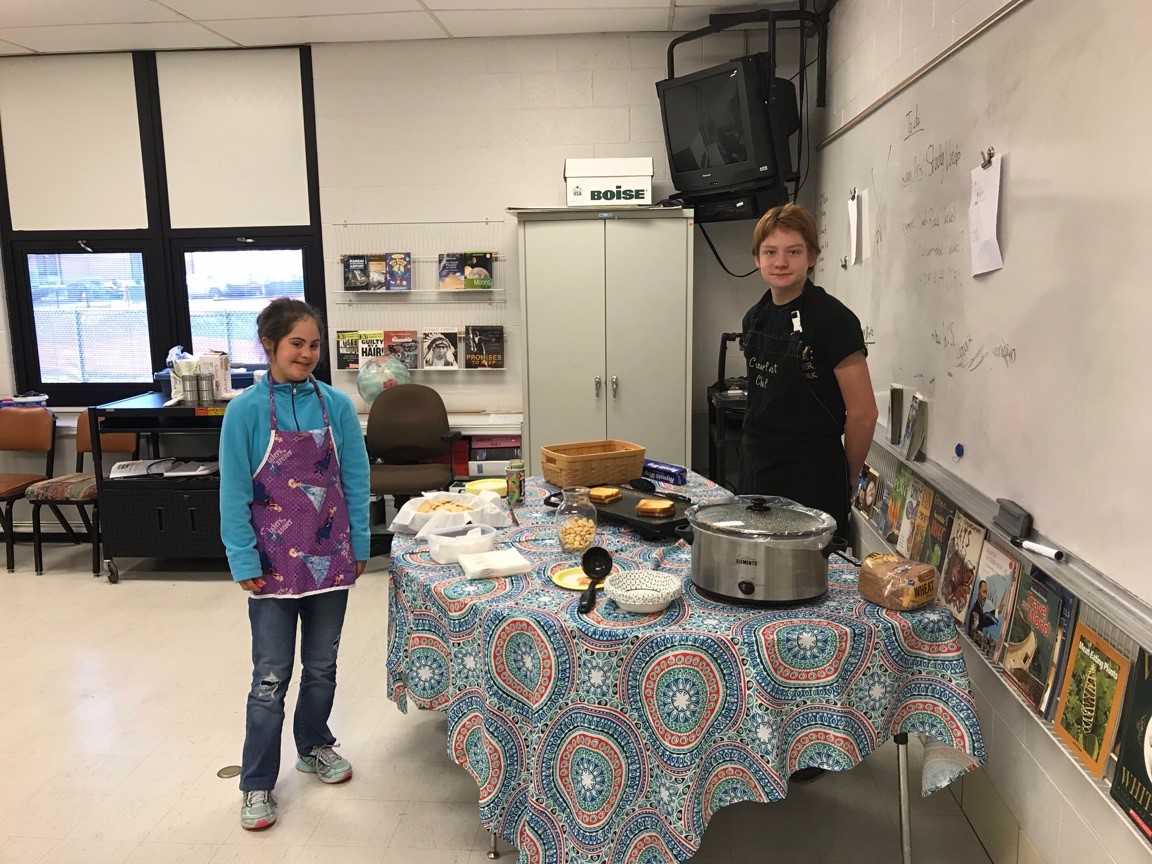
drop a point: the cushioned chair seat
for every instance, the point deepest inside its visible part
(13, 485)
(409, 480)
(65, 488)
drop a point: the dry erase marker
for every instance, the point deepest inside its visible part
(1046, 551)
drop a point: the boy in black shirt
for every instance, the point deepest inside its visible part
(811, 409)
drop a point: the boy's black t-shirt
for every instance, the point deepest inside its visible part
(792, 390)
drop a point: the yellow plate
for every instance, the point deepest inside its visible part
(573, 579)
(487, 484)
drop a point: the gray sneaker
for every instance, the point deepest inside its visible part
(326, 764)
(258, 811)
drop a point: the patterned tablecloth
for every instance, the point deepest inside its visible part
(616, 737)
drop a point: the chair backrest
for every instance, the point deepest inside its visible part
(27, 430)
(408, 423)
(110, 442)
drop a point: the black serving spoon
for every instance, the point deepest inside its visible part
(596, 562)
(643, 484)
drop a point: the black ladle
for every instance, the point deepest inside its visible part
(596, 562)
(643, 484)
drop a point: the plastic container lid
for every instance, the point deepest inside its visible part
(763, 516)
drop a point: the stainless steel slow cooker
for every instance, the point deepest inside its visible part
(761, 549)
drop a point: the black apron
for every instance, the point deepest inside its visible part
(807, 465)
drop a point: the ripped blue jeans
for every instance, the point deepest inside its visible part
(321, 618)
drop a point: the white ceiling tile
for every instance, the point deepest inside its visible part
(114, 37)
(39, 13)
(213, 10)
(330, 28)
(533, 22)
(436, 5)
(9, 48)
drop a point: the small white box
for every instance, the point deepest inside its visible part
(491, 468)
(608, 182)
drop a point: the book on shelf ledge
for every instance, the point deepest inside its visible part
(1040, 631)
(465, 271)
(355, 272)
(1132, 785)
(993, 594)
(483, 346)
(915, 429)
(441, 349)
(347, 349)
(1091, 698)
(404, 345)
(960, 562)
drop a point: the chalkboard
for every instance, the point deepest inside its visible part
(1038, 368)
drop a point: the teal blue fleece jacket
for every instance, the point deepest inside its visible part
(244, 441)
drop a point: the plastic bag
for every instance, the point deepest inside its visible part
(417, 518)
(897, 583)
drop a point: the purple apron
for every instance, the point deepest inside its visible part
(299, 512)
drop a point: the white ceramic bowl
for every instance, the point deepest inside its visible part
(643, 591)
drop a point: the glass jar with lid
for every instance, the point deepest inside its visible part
(576, 520)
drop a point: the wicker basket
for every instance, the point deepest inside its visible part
(591, 463)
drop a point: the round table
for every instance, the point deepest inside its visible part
(616, 737)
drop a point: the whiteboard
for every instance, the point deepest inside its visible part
(1038, 368)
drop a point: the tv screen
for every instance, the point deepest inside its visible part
(706, 123)
(728, 127)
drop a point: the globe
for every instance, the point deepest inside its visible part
(378, 374)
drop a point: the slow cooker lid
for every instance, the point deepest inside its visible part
(764, 516)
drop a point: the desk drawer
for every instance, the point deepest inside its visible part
(160, 523)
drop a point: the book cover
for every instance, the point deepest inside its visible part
(483, 347)
(915, 428)
(347, 349)
(879, 514)
(1035, 638)
(963, 554)
(404, 345)
(355, 272)
(939, 529)
(990, 609)
(1132, 784)
(441, 349)
(377, 272)
(864, 485)
(371, 345)
(920, 528)
(465, 271)
(896, 497)
(1069, 613)
(398, 276)
(1091, 697)
(918, 495)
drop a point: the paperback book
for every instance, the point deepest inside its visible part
(1091, 698)
(371, 345)
(465, 271)
(960, 561)
(355, 272)
(483, 347)
(377, 272)
(919, 498)
(915, 428)
(896, 497)
(990, 609)
(347, 349)
(939, 529)
(1035, 639)
(404, 345)
(441, 349)
(398, 275)
(1132, 785)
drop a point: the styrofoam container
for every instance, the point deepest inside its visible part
(447, 547)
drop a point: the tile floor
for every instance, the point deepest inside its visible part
(120, 703)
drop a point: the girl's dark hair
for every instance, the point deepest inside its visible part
(281, 315)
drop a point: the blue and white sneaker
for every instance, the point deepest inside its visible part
(258, 811)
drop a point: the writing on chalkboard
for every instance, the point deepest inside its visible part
(967, 354)
(935, 162)
(912, 122)
(869, 335)
(1005, 352)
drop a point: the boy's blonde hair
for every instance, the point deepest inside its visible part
(792, 217)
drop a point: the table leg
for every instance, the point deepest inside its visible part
(493, 849)
(905, 803)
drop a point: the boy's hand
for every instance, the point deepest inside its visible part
(252, 584)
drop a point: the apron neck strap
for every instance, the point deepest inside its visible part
(272, 400)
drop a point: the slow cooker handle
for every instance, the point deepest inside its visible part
(835, 545)
(685, 533)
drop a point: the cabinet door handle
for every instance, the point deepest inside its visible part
(597, 382)
(615, 385)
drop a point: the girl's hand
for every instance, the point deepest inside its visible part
(251, 584)
(360, 565)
